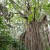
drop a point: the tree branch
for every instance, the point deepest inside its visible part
(16, 4)
(23, 15)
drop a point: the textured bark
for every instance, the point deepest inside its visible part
(35, 36)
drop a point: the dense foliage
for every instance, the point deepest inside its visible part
(6, 41)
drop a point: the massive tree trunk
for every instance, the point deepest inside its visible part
(36, 38)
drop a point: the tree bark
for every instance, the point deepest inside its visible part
(35, 37)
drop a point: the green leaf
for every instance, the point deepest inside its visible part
(49, 5)
(30, 17)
